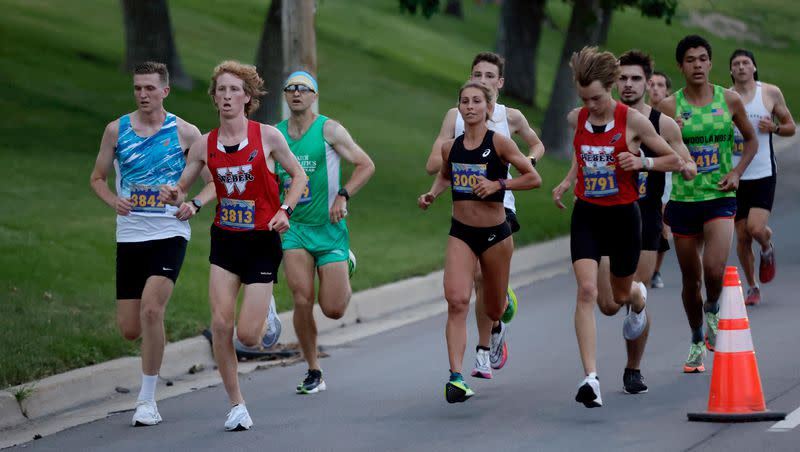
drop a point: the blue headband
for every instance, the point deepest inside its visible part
(302, 78)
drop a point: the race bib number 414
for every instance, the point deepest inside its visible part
(237, 213)
(465, 176)
(706, 157)
(145, 199)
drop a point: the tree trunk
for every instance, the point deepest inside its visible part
(584, 29)
(299, 40)
(148, 37)
(269, 62)
(518, 41)
(453, 8)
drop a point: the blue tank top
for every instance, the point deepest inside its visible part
(151, 161)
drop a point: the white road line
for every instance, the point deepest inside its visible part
(791, 421)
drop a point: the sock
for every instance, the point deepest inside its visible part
(697, 335)
(481, 347)
(711, 307)
(455, 376)
(148, 390)
(592, 375)
(497, 329)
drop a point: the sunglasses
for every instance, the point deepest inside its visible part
(301, 88)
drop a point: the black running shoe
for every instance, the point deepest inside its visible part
(313, 383)
(633, 382)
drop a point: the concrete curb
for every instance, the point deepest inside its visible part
(81, 387)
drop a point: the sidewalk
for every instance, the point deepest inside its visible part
(84, 395)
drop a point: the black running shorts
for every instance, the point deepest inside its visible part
(613, 231)
(254, 256)
(758, 193)
(137, 261)
(652, 224)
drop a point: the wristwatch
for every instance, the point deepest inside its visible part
(343, 192)
(197, 205)
(287, 209)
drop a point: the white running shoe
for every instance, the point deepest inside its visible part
(146, 413)
(482, 368)
(238, 419)
(498, 349)
(589, 393)
(634, 324)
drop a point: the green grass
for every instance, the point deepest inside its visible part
(387, 77)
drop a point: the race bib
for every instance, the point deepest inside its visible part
(738, 143)
(145, 199)
(706, 157)
(642, 184)
(237, 213)
(304, 198)
(465, 176)
(600, 181)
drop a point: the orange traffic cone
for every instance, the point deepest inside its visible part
(736, 394)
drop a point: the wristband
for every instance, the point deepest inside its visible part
(502, 184)
(778, 129)
(343, 192)
(197, 205)
(533, 161)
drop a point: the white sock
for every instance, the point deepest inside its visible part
(592, 375)
(148, 391)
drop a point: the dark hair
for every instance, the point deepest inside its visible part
(492, 58)
(748, 54)
(590, 64)
(487, 93)
(690, 42)
(638, 58)
(666, 78)
(151, 67)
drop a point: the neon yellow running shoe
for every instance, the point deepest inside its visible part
(457, 390)
(511, 309)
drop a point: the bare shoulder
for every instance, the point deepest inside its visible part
(731, 95)
(572, 117)
(112, 128)
(186, 127)
(667, 105)
(330, 128)
(501, 140)
(772, 91)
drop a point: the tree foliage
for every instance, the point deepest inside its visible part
(427, 7)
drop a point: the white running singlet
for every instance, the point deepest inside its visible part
(763, 164)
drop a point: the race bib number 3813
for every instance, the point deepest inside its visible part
(145, 199)
(465, 176)
(237, 213)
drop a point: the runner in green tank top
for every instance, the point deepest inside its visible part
(318, 240)
(700, 212)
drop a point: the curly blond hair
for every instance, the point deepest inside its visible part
(253, 83)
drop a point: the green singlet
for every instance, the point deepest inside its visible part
(708, 134)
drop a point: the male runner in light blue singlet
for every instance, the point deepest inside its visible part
(147, 149)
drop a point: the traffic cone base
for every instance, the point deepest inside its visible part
(736, 394)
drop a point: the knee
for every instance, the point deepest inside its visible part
(457, 303)
(303, 301)
(152, 314)
(610, 308)
(129, 331)
(333, 312)
(756, 230)
(221, 325)
(495, 312)
(714, 273)
(248, 338)
(587, 293)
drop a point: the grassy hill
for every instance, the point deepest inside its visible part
(388, 77)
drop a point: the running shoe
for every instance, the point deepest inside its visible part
(312, 383)
(511, 309)
(657, 282)
(482, 368)
(238, 419)
(634, 324)
(589, 393)
(146, 413)
(633, 382)
(457, 390)
(498, 349)
(694, 362)
(753, 296)
(766, 269)
(712, 322)
(351, 263)
(273, 326)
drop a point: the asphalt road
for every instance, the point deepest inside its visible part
(385, 392)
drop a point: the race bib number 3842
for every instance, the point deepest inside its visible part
(237, 213)
(145, 199)
(465, 176)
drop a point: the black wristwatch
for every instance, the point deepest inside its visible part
(343, 192)
(287, 209)
(533, 161)
(197, 205)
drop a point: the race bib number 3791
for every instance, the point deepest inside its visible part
(599, 182)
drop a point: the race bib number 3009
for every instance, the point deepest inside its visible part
(304, 198)
(465, 176)
(706, 157)
(599, 182)
(145, 199)
(237, 213)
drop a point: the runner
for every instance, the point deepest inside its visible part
(487, 68)
(476, 171)
(245, 244)
(700, 212)
(660, 87)
(635, 72)
(318, 240)
(606, 219)
(757, 185)
(151, 242)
